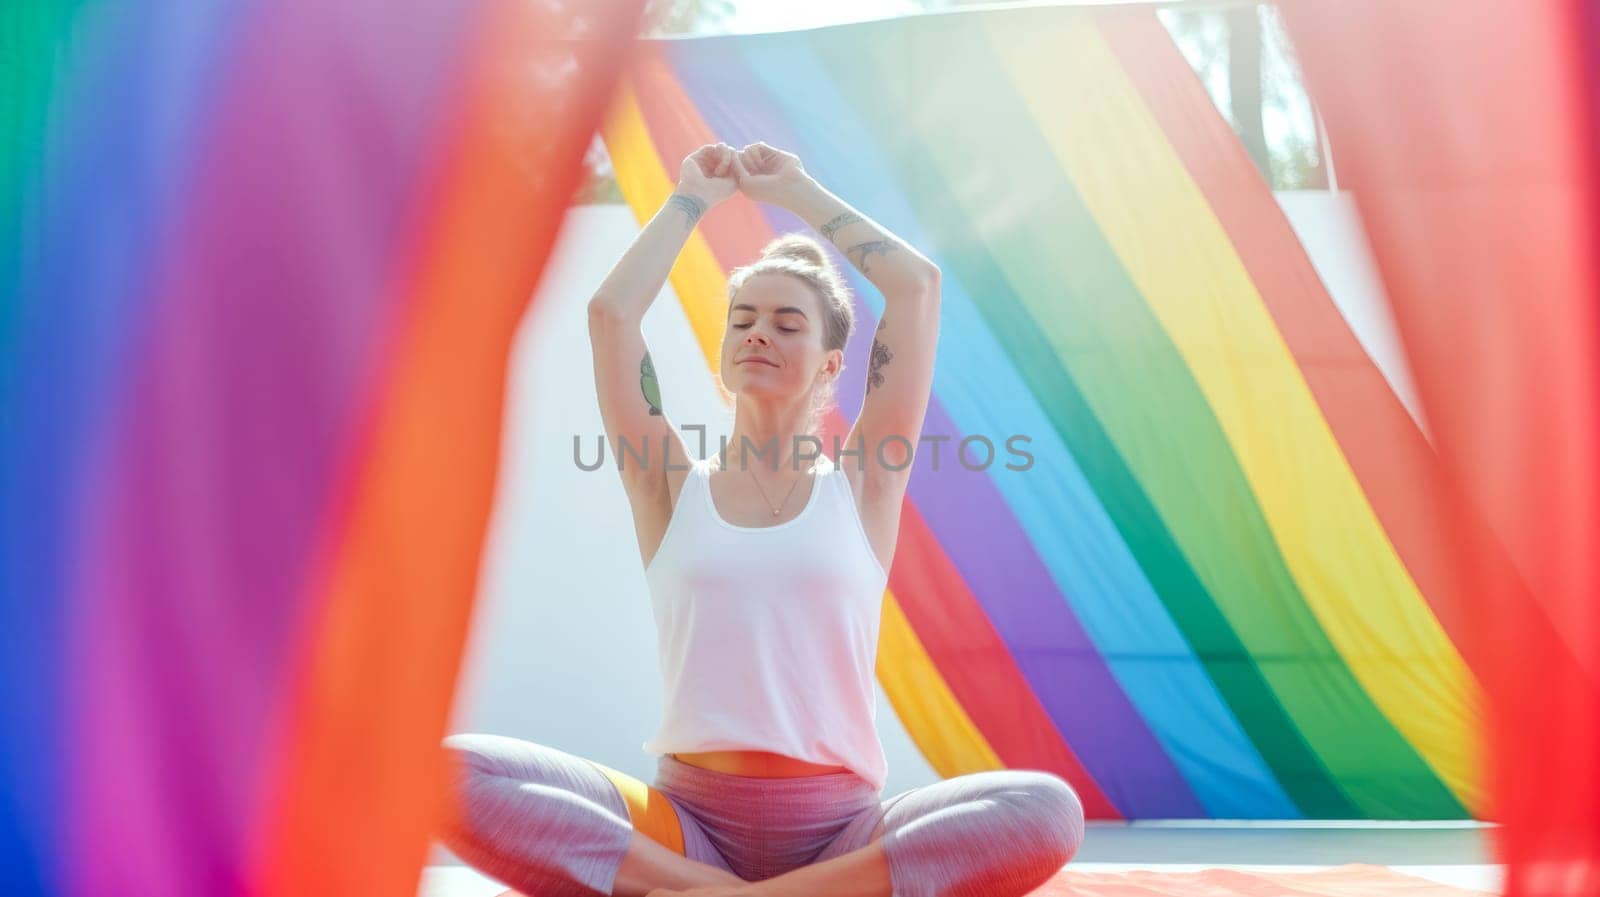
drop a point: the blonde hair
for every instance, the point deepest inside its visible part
(802, 257)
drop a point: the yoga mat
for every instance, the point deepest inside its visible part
(1350, 880)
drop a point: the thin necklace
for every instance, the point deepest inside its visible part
(723, 462)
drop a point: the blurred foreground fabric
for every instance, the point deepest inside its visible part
(1467, 132)
(261, 267)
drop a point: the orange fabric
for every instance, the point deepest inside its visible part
(648, 809)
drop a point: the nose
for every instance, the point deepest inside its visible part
(756, 336)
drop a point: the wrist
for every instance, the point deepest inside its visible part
(705, 201)
(802, 191)
(812, 203)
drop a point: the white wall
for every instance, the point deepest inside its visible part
(1330, 229)
(563, 646)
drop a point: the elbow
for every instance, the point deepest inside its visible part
(606, 318)
(928, 284)
(606, 311)
(918, 283)
(602, 307)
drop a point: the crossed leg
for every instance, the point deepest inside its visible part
(986, 834)
(555, 824)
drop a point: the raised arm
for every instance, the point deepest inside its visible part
(900, 369)
(625, 376)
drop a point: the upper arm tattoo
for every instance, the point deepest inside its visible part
(650, 386)
(861, 252)
(691, 206)
(881, 356)
(838, 221)
(865, 250)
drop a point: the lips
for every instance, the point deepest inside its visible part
(757, 361)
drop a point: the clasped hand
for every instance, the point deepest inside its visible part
(764, 173)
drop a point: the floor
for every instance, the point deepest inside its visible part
(1454, 853)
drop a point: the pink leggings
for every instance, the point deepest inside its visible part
(550, 823)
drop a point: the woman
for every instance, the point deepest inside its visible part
(766, 577)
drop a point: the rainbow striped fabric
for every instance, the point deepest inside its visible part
(1218, 591)
(261, 267)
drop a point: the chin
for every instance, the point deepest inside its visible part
(756, 389)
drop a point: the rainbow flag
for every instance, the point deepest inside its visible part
(261, 267)
(1220, 590)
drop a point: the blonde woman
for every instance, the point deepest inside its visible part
(766, 565)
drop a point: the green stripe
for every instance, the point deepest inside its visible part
(1238, 679)
(1008, 222)
(32, 41)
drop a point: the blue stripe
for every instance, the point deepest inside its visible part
(979, 388)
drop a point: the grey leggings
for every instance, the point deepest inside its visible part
(551, 823)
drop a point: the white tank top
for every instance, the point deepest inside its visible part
(768, 636)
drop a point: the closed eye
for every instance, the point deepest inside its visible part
(784, 329)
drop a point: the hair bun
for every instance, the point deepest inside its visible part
(799, 247)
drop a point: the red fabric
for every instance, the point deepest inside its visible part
(1465, 132)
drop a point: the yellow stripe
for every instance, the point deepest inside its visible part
(947, 737)
(1177, 253)
(920, 696)
(696, 277)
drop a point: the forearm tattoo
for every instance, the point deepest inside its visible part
(649, 385)
(692, 206)
(861, 252)
(837, 222)
(881, 356)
